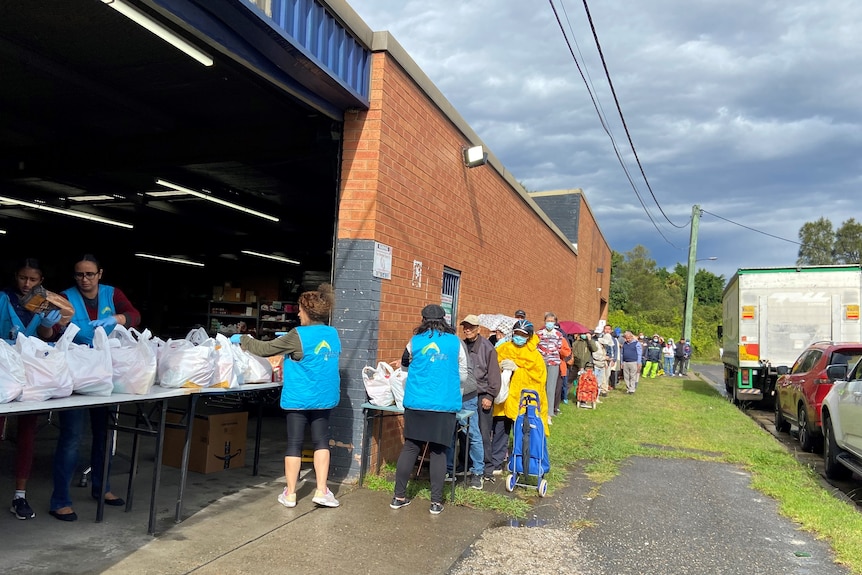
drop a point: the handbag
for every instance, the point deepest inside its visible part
(377, 384)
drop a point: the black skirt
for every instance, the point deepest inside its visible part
(433, 426)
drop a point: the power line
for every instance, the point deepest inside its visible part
(622, 117)
(607, 130)
(752, 229)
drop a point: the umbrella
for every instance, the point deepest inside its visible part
(573, 327)
(493, 320)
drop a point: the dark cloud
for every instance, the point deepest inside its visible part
(747, 109)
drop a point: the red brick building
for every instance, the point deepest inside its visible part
(405, 184)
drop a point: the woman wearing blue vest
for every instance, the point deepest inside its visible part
(95, 305)
(15, 319)
(437, 363)
(312, 387)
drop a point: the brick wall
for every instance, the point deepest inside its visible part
(404, 184)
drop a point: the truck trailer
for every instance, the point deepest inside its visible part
(770, 315)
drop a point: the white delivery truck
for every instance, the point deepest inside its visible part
(770, 315)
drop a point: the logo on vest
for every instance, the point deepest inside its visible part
(323, 348)
(433, 352)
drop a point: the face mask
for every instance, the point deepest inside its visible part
(583, 336)
(519, 340)
(549, 325)
(655, 340)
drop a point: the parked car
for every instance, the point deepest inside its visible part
(800, 393)
(842, 425)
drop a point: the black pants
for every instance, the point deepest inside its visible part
(500, 441)
(436, 467)
(486, 424)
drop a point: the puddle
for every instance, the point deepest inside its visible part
(534, 522)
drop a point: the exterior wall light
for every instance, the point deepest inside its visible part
(475, 156)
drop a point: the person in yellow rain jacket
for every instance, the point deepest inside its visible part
(530, 373)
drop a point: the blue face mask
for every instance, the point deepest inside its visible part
(549, 325)
(519, 340)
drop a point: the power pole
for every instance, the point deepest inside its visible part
(689, 285)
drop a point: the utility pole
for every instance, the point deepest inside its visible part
(689, 285)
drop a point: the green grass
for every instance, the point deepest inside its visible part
(670, 418)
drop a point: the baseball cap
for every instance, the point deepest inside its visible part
(472, 319)
(520, 313)
(433, 311)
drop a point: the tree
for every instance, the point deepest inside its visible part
(817, 243)
(848, 242)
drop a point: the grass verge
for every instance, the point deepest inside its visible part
(670, 418)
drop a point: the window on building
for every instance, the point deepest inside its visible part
(449, 295)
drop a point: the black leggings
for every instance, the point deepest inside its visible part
(296, 422)
(436, 467)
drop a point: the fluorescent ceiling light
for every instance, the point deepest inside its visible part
(271, 257)
(2, 231)
(65, 212)
(166, 194)
(211, 198)
(98, 198)
(172, 260)
(171, 38)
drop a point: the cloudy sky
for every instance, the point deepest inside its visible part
(750, 110)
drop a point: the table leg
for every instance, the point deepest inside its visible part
(157, 467)
(363, 462)
(257, 435)
(184, 466)
(133, 471)
(109, 444)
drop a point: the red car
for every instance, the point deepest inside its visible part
(800, 393)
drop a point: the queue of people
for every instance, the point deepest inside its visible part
(448, 375)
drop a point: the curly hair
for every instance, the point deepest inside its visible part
(318, 304)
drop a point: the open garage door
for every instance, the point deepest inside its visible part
(113, 142)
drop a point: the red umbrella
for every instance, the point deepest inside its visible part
(574, 327)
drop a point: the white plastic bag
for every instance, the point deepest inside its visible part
(184, 364)
(197, 336)
(45, 368)
(133, 360)
(224, 375)
(397, 380)
(377, 384)
(91, 369)
(250, 368)
(12, 378)
(505, 377)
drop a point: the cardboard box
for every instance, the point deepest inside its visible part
(250, 297)
(232, 294)
(217, 442)
(218, 293)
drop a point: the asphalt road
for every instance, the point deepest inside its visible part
(851, 488)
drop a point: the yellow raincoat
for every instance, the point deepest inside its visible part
(531, 374)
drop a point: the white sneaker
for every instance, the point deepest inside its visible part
(325, 499)
(287, 500)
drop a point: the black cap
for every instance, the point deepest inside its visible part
(520, 313)
(433, 311)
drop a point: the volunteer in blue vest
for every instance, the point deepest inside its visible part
(312, 387)
(95, 305)
(437, 365)
(15, 319)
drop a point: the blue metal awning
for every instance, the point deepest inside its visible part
(301, 47)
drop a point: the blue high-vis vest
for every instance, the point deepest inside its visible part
(81, 318)
(314, 381)
(434, 383)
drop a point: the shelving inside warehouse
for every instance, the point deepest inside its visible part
(276, 317)
(230, 317)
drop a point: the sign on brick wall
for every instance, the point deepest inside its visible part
(382, 261)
